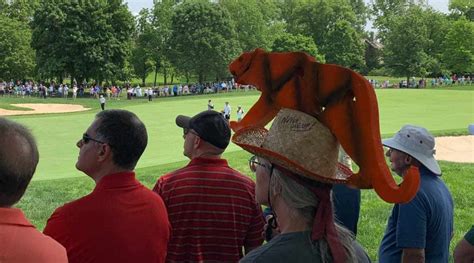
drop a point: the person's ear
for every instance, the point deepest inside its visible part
(197, 141)
(408, 159)
(104, 151)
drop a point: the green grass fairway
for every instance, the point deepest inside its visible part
(441, 111)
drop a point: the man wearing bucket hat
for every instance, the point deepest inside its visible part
(421, 229)
(296, 165)
(211, 207)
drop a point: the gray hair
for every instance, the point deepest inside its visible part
(303, 204)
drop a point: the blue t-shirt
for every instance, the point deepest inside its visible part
(426, 222)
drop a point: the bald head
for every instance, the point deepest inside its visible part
(18, 159)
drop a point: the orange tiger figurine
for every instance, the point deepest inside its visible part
(340, 98)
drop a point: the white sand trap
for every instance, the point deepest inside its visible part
(43, 108)
(455, 149)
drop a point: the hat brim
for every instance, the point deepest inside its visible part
(183, 121)
(429, 162)
(251, 139)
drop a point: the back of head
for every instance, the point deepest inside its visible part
(125, 133)
(210, 125)
(18, 160)
(303, 204)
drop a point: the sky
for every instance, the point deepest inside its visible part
(136, 5)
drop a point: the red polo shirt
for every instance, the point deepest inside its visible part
(212, 211)
(120, 221)
(21, 242)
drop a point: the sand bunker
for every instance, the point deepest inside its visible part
(43, 108)
(455, 149)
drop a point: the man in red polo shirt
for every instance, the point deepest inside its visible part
(211, 207)
(121, 220)
(19, 239)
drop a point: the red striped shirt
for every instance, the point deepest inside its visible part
(212, 211)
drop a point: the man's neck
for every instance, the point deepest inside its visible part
(207, 156)
(97, 177)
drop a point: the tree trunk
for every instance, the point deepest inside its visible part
(201, 77)
(156, 75)
(165, 76)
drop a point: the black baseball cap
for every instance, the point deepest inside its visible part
(210, 125)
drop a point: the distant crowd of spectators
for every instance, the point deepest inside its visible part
(40, 89)
(422, 83)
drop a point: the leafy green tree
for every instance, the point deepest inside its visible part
(458, 46)
(462, 8)
(361, 12)
(141, 58)
(287, 42)
(141, 63)
(159, 42)
(437, 26)
(3, 7)
(203, 39)
(21, 10)
(253, 20)
(385, 11)
(290, 14)
(344, 46)
(404, 46)
(323, 20)
(82, 39)
(16, 55)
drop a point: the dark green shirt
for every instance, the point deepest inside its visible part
(293, 247)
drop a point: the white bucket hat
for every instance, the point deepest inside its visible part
(418, 143)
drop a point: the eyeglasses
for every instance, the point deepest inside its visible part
(253, 162)
(86, 138)
(186, 131)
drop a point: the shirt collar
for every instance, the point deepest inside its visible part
(208, 161)
(13, 216)
(116, 180)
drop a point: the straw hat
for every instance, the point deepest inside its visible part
(298, 142)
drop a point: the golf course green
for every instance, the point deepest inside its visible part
(440, 111)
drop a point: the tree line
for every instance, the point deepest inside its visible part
(101, 40)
